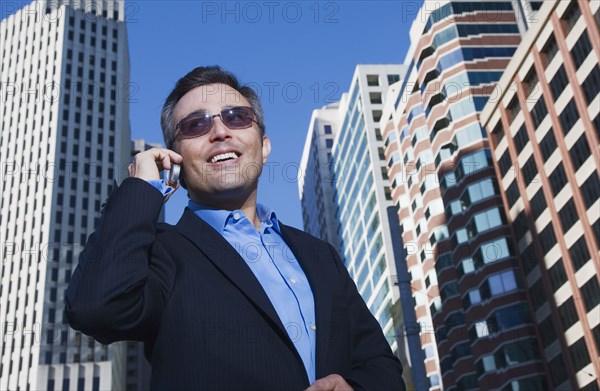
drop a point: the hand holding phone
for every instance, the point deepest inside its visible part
(172, 177)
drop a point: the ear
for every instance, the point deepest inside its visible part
(266, 148)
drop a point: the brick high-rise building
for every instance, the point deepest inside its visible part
(467, 285)
(544, 127)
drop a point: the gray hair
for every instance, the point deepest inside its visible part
(202, 76)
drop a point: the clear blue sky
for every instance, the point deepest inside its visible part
(301, 54)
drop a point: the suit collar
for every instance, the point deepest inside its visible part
(234, 268)
(227, 260)
(232, 265)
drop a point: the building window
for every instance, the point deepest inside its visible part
(504, 163)
(549, 50)
(579, 354)
(537, 295)
(579, 253)
(548, 144)
(557, 275)
(529, 170)
(591, 85)
(512, 193)
(500, 283)
(569, 117)
(377, 115)
(521, 139)
(372, 80)
(539, 111)
(581, 49)
(547, 238)
(393, 78)
(513, 109)
(497, 134)
(568, 314)
(590, 190)
(520, 225)
(558, 370)
(571, 16)
(568, 215)
(590, 291)
(375, 97)
(538, 204)
(378, 136)
(327, 129)
(559, 82)
(530, 81)
(580, 152)
(548, 333)
(558, 179)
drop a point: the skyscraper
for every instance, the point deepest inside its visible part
(64, 139)
(315, 185)
(544, 127)
(468, 287)
(350, 161)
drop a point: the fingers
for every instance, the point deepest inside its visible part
(332, 382)
(148, 164)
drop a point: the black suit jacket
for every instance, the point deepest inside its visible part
(205, 319)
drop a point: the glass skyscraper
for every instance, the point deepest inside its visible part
(345, 148)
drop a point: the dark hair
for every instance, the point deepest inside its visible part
(202, 76)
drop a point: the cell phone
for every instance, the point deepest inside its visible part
(173, 174)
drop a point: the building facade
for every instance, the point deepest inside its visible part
(544, 128)
(64, 141)
(470, 301)
(362, 192)
(344, 147)
(315, 185)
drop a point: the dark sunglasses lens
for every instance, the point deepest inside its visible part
(196, 126)
(237, 117)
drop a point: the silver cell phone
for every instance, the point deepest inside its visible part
(173, 174)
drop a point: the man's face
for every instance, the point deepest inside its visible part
(224, 162)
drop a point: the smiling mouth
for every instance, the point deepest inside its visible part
(223, 157)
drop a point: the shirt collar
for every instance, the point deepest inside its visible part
(219, 218)
(268, 216)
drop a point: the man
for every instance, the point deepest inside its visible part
(229, 298)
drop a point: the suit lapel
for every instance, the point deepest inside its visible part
(311, 259)
(229, 262)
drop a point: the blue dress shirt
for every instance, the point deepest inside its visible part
(275, 267)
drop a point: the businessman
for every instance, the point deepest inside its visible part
(230, 298)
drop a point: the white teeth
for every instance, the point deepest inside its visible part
(223, 156)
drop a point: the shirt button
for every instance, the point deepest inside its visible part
(293, 281)
(236, 215)
(313, 327)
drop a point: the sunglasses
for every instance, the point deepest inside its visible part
(196, 125)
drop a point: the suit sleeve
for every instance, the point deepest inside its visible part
(124, 276)
(374, 366)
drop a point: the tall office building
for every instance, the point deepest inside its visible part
(315, 185)
(544, 128)
(64, 139)
(344, 143)
(362, 192)
(470, 299)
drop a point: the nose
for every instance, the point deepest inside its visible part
(219, 131)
